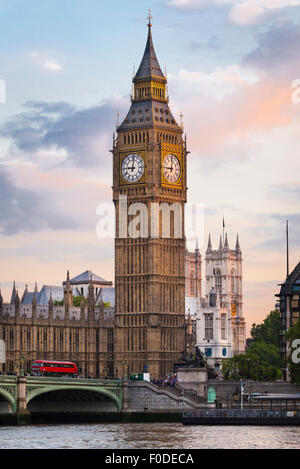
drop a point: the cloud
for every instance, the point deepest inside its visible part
(249, 12)
(212, 43)
(277, 52)
(270, 231)
(195, 4)
(45, 62)
(24, 210)
(58, 134)
(222, 111)
(241, 12)
(220, 82)
(56, 166)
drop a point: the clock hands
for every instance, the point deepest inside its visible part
(171, 168)
(132, 168)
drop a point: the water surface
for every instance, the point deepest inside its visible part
(148, 436)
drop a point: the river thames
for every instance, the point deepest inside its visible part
(148, 436)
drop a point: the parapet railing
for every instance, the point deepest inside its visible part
(240, 413)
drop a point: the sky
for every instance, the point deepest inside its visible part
(233, 70)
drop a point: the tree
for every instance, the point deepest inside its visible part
(293, 334)
(269, 331)
(265, 352)
(77, 300)
(249, 367)
(262, 360)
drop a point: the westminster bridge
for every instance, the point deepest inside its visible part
(32, 395)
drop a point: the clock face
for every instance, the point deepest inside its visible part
(133, 168)
(171, 168)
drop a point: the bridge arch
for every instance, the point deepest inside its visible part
(116, 398)
(10, 398)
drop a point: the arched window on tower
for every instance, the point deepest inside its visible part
(192, 285)
(233, 282)
(218, 280)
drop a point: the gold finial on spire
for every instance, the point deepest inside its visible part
(149, 18)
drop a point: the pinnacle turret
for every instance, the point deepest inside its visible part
(226, 244)
(17, 299)
(209, 246)
(50, 299)
(237, 246)
(13, 294)
(24, 294)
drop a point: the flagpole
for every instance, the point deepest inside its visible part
(287, 249)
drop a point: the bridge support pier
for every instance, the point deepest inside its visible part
(125, 402)
(22, 412)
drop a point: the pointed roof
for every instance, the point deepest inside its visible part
(13, 294)
(221, 244)
(17, 299)
(24, 294)
(85, 278)
(51, 298)
(149, 110)
(226, 244)
(209, 246)
(292, 280)
(237, 246)
(149, 66)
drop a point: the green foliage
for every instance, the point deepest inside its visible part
(269, 331)
(261, 361)
(249, 367)
(294, 368)
(78, 299)
(265, 352)
(106, 304)
(58, 303)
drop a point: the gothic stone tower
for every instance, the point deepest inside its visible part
(149, 171)
(224, 274)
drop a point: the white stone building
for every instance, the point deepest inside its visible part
(220, 326)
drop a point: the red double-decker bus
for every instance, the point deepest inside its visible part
(53, 368)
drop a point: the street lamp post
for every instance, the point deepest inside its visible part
(22, 358)
(242, 392)
(125, 370)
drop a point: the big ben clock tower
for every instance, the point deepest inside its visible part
(149, 193)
